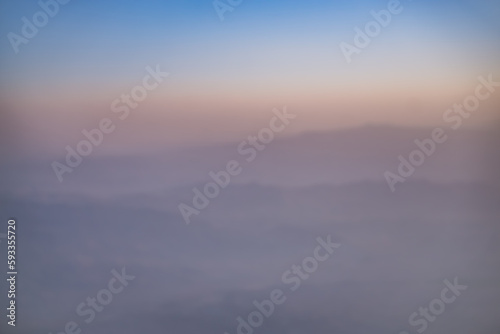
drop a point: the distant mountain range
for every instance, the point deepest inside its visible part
(337, 157)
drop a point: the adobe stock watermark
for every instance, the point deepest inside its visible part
(249, 149)
(363, 37)
(121, 106)
(103, 298)
(436, 307)
(292, 277)
(428, 146)
(223, 6)
(30, 28)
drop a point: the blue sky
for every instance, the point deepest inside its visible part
(262, 55)
(103, 38)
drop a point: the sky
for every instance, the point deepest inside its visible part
(262, 55)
